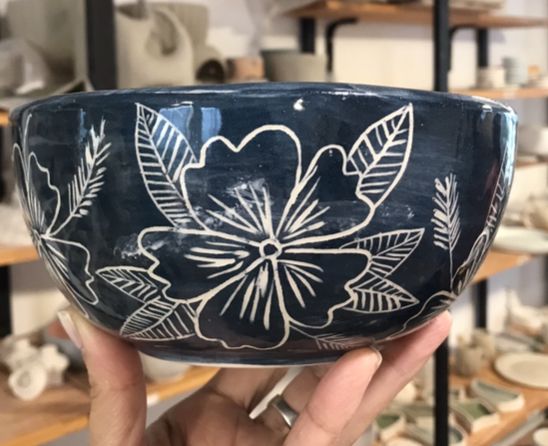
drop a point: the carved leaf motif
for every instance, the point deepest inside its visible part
(133, 282)
(389, 249)
(161, 320)
(163, 152)
(381, 153)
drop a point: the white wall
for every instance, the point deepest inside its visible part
(366, 53)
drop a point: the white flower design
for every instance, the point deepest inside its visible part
(41, 202)
(254, 238)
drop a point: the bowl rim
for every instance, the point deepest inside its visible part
(265, 90)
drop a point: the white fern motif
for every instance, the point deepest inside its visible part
(389, 249)
(133, 282)
(381, 153)
(469, 267)
(89, 177)
(162, 153)
(446, 218)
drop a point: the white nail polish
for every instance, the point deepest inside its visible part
(70, 327)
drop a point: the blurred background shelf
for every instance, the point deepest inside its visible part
(497, 262)
(64, 410)
(507, 93)
(12, 255)
(4, 118)
(536, 402)
(410, 14)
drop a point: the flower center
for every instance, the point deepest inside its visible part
(270, 248)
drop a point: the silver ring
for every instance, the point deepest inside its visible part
(286, 412)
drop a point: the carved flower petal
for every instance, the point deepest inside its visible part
(248, 312)
(242, 190)
(324, 205)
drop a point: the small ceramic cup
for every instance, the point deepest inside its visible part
(469, 359)
(491, 77)
(486, 341)
(540, 437)
(292, 66)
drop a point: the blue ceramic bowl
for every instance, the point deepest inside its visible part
(263, 224)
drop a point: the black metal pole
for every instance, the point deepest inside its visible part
(329, 37)
(481, 304)
(5, 302)
(2, 181)
(101, 44)
(441, 83)
(482, 40)
(441, 45)
(307, 35)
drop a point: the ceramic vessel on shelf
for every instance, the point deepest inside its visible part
(263, 224)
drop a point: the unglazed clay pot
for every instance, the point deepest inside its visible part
(263, 224)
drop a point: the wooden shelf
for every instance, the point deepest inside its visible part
(536, 400)
(532, 163)
(12, 255)
(64, 410)
(409, 14)
(497, 262)
(507, 93)
(4, 118)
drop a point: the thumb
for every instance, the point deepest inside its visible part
(118, 392)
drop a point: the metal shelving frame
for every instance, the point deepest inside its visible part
(442, 35)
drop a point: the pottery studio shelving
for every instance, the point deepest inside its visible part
(445, 22)
(63, 410)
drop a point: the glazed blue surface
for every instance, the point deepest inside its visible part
(263, 224)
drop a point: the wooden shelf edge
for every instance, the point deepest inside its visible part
(410, 14)
(497, 262)
(533, 163)
(4, 118)
(13, 255)
(506, 93)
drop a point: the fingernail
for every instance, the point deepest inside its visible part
(70, 327)
(378, 354)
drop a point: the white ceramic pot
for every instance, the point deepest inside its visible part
(491, 77)
(533, 139)
(47, 25)
(540, 437)
(153, 51)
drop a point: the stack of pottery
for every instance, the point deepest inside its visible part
(32, 369)
(285, 65)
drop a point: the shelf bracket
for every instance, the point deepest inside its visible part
(5, 302)
(330, 36)
(482, 43)
(307, 35)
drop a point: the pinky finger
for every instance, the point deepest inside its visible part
(335, 400)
